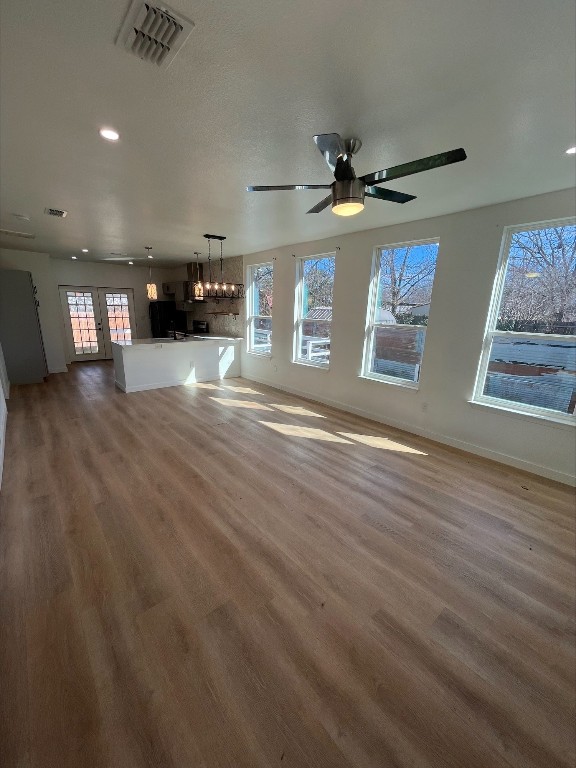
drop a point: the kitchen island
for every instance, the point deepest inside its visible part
(155, 363)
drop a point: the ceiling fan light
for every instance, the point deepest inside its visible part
(348, 197)
(350, 208)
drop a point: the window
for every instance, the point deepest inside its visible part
(260, 285)
(529, 358)
(315, 287)
(399, 306)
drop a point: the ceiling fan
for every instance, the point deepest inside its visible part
(347, 192)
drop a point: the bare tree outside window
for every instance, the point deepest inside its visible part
(529, 357)
(406, 278)
(314, 310)
(318, 282)
(539, 293)
(263, 284)
(399, 315)
(260, 293)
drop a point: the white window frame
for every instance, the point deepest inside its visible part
(298, 319)
(490, 331)
(250, 318)
(371, 311)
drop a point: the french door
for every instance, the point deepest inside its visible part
(94, 318)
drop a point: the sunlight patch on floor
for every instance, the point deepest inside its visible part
(203, 385)
(295, 410)
(241, 390)
(383, 443)
(309, 433)
(241, 403)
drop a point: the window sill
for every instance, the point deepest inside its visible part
(307, 364)
(404, 383)
(267, 355)
(554, 420)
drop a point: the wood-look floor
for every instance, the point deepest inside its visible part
(185, 585)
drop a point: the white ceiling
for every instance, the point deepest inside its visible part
(240, 103)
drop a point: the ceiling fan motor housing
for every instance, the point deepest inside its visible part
(348, 192)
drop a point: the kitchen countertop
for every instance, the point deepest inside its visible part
(168, 362)
(185, 340)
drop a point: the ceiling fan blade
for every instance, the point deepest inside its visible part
(332, 146)
(321, 205)
(416, 166)
(288, 187)
(388, 194)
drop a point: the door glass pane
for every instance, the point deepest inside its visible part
(83, 322)
(118, 317)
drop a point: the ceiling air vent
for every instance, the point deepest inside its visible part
(153, 33)
(55, 212)
(13, 233)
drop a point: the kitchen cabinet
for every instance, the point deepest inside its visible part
(156, 363)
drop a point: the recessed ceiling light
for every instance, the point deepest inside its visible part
(150, 257)
(84, 250)
(109, 134)
(571, 151)
(74, 258)
(131, 263)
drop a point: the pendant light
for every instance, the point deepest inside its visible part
(151, 289)
(208, 285)
(222, 289)
(198, 286)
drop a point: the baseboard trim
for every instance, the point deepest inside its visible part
(3, 422)
(438, 437)
(145, 387)
(164, 385)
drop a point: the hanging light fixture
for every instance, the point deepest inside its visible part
(198, 286)
(222, 289)
(151, 289)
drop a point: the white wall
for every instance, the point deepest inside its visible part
(40, 265)
(469, 250)
(84, 273)
(49, 273)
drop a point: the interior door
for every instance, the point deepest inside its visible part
(94, 318)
